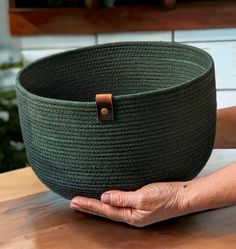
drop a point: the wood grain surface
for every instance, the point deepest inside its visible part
(40, 219)
(44, 220)
(18, 183)
(199, 15)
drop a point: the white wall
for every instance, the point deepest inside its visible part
(5, 38)
(3, 26)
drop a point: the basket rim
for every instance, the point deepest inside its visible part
(123, 96)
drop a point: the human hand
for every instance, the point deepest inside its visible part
(152, 203)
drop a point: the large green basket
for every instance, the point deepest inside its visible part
(164, 108)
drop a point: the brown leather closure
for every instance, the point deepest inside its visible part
(104, 107)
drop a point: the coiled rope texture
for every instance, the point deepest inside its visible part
(164, 106)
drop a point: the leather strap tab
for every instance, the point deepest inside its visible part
(104, 107)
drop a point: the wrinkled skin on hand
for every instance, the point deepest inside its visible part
(152, 203)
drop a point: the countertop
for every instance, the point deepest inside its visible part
(33, 217)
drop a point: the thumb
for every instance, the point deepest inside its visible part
(119, 198)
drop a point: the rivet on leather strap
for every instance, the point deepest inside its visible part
(104, 107)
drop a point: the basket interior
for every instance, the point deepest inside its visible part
(118, 69)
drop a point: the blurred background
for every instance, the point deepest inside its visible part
(31, 29)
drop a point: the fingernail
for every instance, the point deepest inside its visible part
(76, 200)
(72, 205)
(106, 198)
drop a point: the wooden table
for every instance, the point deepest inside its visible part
(31, 217)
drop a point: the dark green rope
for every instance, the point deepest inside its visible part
(164, 107)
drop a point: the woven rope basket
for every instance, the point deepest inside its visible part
(163, 116)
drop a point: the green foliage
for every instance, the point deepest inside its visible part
(12, 156)
(108, 3)
(10, 65)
